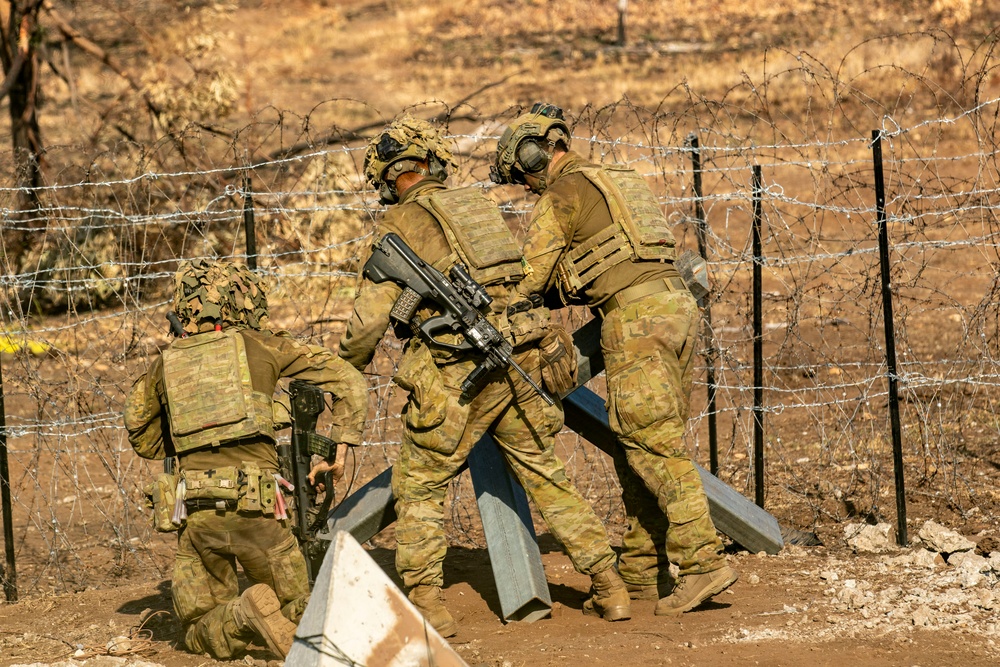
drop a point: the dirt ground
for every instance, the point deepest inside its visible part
(819, 605)
(799, 607)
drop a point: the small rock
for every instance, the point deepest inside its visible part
(969, 561)
(119, 645)
(753, 579)
(864, 538)
(938, 538)
(921, 616)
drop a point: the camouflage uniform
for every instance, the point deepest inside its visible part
(205, 589)
(648, 346)
(440, 427)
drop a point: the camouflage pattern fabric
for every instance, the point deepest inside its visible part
(648, 347)
(413, 138)
(205, 587)
(209, 292)
(212, 543)
(439, 431)
(648, 351)
(440, 427)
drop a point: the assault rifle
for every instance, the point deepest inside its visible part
(462, 301)
(295, 459)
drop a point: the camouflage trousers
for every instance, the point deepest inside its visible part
(649, 347)
(440, 428)
(205, 587)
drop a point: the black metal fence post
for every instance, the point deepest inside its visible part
(9, 573)
(890, 339)
(711, 352)
(758, 343)
(248, 223)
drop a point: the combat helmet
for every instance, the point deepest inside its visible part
(220, 292)
(527, 144)
(401, 147)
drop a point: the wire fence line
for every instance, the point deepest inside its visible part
(91, 276)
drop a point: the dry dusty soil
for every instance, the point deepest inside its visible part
(807, 605)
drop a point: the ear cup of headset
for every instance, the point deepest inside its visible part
(531, 157)
(436, 168)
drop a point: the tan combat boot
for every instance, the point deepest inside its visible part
(428, 600)
(649, 591)
(260, 609)
(610, 598)
(693, 589)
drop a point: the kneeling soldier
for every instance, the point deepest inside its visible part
(208, 400)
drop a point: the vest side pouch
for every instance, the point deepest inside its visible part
(161, 496)
(268, 491)
(215, 484)
(249, 488)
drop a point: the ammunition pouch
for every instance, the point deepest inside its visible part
(161, 496)
(246, 489)
(257, 490)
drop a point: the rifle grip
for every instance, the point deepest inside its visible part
(406, 305)
(473, 382)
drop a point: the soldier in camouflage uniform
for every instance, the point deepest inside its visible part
(599, 236)
(207, 399)
(407, 163)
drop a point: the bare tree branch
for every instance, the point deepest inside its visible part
(73, 35)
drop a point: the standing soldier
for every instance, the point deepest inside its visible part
(407, 164)
(208, 399)
(599, 236)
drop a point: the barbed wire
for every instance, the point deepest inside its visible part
(93, 281)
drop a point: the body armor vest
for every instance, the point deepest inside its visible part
(640, 230)
(477, 235)
(210, 396)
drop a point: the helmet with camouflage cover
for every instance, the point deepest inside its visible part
(407, 144)
(219, 292)
(527, 145)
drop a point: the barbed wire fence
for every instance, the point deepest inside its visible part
(95, 279)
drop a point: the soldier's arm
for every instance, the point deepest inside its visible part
(368, 322)
(319, 366)
(144, 416)
(544, 244)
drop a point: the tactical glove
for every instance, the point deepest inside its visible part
(559, 361)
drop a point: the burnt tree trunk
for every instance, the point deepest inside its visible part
(21, 86)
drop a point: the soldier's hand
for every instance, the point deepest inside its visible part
(335, 467)
(559, 362)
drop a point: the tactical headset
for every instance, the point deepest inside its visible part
(520, 150)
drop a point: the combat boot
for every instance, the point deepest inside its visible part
(610, 598)
(649, 591)
(428, 600)
(693, 589)
(259, 608)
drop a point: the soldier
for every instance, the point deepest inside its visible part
(208, 399)
(598, 235)
(407, 163)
